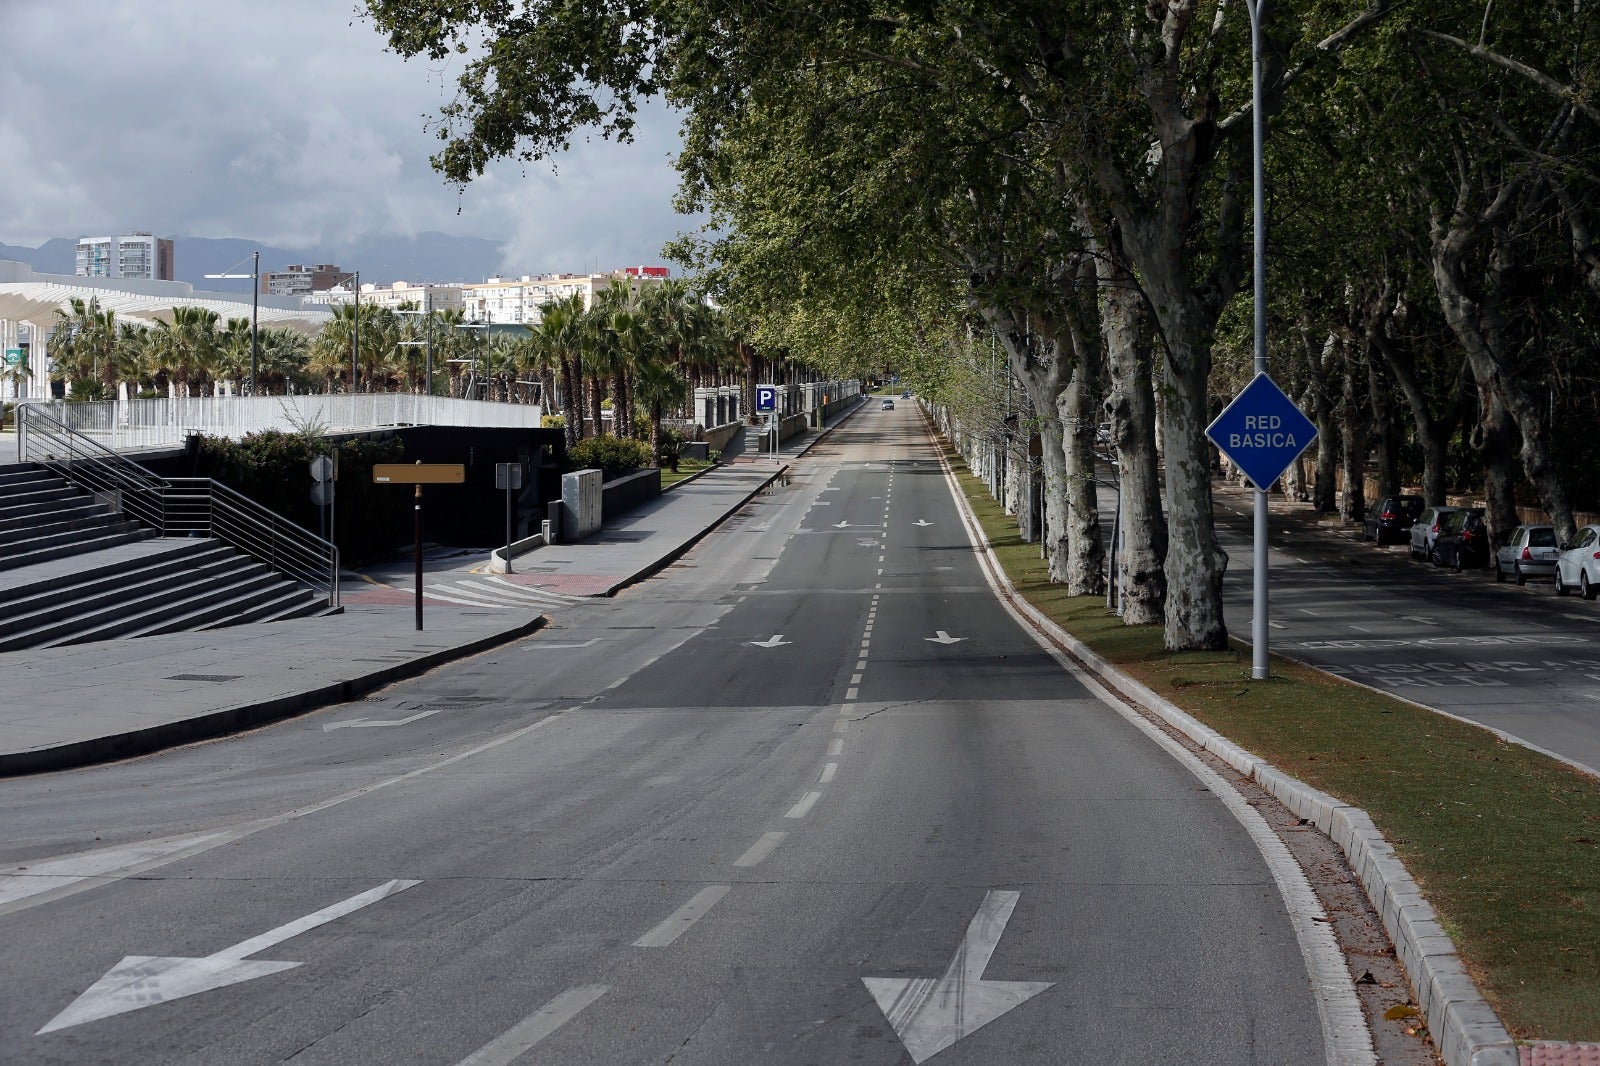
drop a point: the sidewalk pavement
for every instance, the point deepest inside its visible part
(71, 706)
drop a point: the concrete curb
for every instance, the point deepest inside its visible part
(683, 549)
(243, 716)
(1464, 1026)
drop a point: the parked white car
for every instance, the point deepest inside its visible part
(1578, 565)
(1530, 551)
(1425, 532)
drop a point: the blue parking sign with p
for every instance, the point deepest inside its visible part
(766, 399)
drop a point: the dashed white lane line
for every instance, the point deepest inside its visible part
(852, 693)
(678, 922)
(855, 679)
(839, 724)
(535, 1027)
(827, 773)
(760, 850)
(1361, 629)
(836, 747)
(803, 808)
(862, 665)
(865, 643)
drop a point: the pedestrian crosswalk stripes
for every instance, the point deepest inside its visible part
(488, 592)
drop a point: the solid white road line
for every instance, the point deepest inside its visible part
(803, 808)
(760, 850)
(679, 921)
(534, 1028)
(827, 773)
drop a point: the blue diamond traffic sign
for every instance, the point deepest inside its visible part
(1262, 431)
(766, 399)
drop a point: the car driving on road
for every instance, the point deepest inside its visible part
(1426, 529)
(1578, 565)
(1530, 551)
(888, 404)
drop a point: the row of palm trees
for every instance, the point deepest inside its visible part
(637, 351)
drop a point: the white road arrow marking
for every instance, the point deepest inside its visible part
(537, 646)
(777, 641)
(841, 525)
(146, 980)
(944, 638)
(367, 723)
(928, 1015)
(922, 522)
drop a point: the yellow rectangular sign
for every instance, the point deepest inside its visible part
(419, 473)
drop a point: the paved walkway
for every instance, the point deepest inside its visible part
(64, 707)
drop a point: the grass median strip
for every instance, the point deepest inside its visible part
(1503, 841)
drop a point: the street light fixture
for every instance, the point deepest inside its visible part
(472, 379)
(255, 306)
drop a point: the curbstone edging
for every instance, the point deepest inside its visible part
(240, 716)
(1465, 1027)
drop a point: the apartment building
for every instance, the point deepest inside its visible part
(299, 280)
(439, 297)
(134, 255)
(502, 301)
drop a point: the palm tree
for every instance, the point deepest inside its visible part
(186, 346)
(560, 337)
(660, 386)
(233, 351)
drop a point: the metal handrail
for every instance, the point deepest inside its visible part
(179, 506)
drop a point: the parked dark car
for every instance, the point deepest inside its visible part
(1463, 541)
(1389, 520)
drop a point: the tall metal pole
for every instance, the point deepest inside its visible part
(355, 347)
(255, 337)
(1259, 647)
(427, 304)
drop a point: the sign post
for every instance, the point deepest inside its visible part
(767, 404)
(418, 474)
(508, 476)
(1262, 432)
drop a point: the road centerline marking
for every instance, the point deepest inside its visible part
(827, 773)
(803, 808)
(760, 850)
(678, 922)
(517, 1040)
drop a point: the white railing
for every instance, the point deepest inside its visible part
(124, 426)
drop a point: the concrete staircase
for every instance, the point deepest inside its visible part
(72, 570)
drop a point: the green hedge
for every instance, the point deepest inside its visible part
(273, 468)
(608, 453)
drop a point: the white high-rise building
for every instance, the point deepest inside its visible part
(134, 255)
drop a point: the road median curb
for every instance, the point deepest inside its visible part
(1464, 1026)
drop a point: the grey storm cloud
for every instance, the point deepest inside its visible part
(288, 123)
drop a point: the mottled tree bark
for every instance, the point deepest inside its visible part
(1131, 408)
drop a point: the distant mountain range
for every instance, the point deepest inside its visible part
(381, 260)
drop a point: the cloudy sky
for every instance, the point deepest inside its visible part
(284, 122)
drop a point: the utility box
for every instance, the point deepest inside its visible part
(580, 504)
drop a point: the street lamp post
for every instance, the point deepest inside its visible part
(255, 309)
(472, 378)
(427, 312)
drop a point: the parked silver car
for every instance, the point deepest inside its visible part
(1425, 531)
(1530, 551)
(1578, 565)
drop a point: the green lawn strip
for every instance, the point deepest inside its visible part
(687, 468)
(1504, 842)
